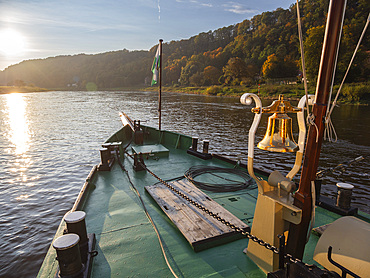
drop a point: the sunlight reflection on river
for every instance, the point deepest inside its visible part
(19, 133)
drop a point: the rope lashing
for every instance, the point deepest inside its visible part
(311, 121)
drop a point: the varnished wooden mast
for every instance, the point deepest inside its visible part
(298, 233)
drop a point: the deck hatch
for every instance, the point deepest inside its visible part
(201, 230)
(156, 149)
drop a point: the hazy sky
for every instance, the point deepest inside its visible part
(32, 29)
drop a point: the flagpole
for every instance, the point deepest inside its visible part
(160, 85)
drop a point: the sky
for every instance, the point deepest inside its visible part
(32, 29)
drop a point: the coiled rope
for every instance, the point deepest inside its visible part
(229, 185)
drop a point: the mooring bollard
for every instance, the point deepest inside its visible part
(76, 224)
(194, 143)
(68, 255)
(205, 146)
(344, 195)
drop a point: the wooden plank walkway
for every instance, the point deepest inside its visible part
(200, 229)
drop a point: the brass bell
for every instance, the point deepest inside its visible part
(278, 137)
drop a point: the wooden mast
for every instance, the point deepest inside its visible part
(298, 233)
(160, 85)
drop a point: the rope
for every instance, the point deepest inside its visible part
(148, 216)
(328, 124)
(310, 117)
(302, 57)
(313, 214)
(311, 121)
(233, 185)
(330, 132)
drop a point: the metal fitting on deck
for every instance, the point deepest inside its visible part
(194, 149)
(76, 225)
(138, 162)
(107, 155)
(205, 146)
(106, 160)
(194, 143)
(75, 249)
(68, 255)
(344, 195)
(138, 133)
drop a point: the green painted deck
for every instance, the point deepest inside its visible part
(126, 241)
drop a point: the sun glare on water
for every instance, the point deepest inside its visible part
(19, 132)
(12, 43)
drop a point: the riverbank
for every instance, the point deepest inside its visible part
(21, 89)
(358, 93)
(355, 94)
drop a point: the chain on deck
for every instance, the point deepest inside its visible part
(222, 220)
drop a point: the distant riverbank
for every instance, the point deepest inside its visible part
(21, 89)
(358, 93)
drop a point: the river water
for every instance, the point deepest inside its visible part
(49, 142)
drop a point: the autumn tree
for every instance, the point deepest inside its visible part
(196, 79)
(313, 47)
(216, 57)
(191, 68)
(252, 72)
(276, 67)
(234, 70)
(172, 70)
(211, 75)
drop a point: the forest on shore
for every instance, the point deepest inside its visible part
(258, 53)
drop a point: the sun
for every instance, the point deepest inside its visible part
(12, 43)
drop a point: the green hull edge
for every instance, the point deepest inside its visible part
(127, 244)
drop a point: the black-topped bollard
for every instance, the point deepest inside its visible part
(194, 143)
(76, 224)
(205, 146)
(344, 195)
(68, 255)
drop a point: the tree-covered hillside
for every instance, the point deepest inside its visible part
(264, 47)
(106, 70)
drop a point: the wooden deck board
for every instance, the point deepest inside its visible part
(201, 230)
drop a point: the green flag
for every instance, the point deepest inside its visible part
(156, 65)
